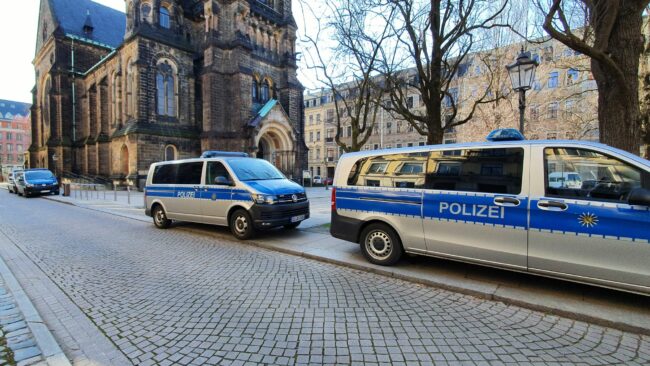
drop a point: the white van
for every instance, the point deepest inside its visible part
(494, 204)
(227, 189)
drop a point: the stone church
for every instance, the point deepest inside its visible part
(167, 80)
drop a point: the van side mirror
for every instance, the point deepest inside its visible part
(639, 196)
(222, 181)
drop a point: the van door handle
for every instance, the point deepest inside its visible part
(552, 205)
(506, 201)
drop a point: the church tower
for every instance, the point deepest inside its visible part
(252, 99)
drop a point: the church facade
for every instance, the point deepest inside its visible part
(116, 92)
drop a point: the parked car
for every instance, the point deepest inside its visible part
(246, 194)
(318, 179)
(328, 181)
(12, 181)
(500, 204)
(36, 181)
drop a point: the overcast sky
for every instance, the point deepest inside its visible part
(18, 24)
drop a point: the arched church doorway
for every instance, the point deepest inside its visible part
(124, 160)
(275, 146)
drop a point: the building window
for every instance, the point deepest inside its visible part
(265, 91)
(145, 12)
(19, 148)
(9, 136)
(311, 119)
(255, 90)
(572, 76)
(534, 112)
(409, 102)
(311, 136)
(164, 17)
(552, 110)
(10, 147)
(318, 118)
(568, 108)
(553, 79)
(165, 90)
(170, 153)
(349, 128)
(318, 136)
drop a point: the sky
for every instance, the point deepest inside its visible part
(18, 26)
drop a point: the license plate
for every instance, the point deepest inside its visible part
(297, 218)
(45, 191)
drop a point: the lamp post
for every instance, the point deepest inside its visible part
(522, 75)
(55, 159)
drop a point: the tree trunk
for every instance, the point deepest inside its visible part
(618, 110)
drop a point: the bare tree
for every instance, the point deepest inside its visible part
(347, 67)
(609, 32)
(435, 39)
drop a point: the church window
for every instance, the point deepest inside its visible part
(255, 90)
(115, 98)
(170, 153)
(45, 105)
(130, 92)
(164, 17)
(265, 91)
(145, 12)
(165, 90)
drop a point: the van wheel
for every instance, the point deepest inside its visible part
(291, 226)
(160, 218)
(241, 224)
(381, 245)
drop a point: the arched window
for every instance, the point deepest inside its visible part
(265, 91)
(116, 99)
(124, 160)
(145, 13)
(130, 89)
(255, 90)
(45, 104)
(164, 17)
(165, 90)
(170, 153)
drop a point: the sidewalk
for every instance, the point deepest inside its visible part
(581, 302)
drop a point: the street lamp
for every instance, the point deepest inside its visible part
(522, 75)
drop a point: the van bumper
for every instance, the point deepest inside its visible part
(345, 228)
(269, 216)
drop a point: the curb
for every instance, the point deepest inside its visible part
(499, 293)
(50, 349)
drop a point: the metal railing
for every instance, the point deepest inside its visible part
(90, 191)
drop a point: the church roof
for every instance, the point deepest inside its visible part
(255, 121)
(108, 25)
(10, 109)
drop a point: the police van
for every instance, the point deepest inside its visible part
(222, 188)
(497, 204)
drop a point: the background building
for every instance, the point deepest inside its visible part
(116, 92)
(15, 134)
(561, 105)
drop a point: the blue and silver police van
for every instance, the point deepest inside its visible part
(505, 203)
(224, 188)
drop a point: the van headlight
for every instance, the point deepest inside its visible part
(265, 199)
(29, 185)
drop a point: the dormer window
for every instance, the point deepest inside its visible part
(164, 17)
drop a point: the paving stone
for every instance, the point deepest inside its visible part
(176, 297)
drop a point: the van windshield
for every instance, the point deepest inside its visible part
(247, 169)
(39, 174)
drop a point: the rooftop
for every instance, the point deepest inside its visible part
(108, 25)
(10, 109)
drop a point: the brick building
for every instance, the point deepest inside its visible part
(116, 92)
(15, 133)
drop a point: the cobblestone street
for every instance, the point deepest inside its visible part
(174, 297)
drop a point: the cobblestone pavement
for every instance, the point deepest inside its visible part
(174, 297)
(17, 345)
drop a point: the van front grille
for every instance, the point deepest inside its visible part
(271, 215)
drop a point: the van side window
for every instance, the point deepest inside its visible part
(216, 169)
(589, 175)
(165, 174)
(189, 173)
(476, 170)
(394, 170)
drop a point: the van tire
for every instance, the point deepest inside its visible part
(241, 224)
(381, 245)
(160, 218)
